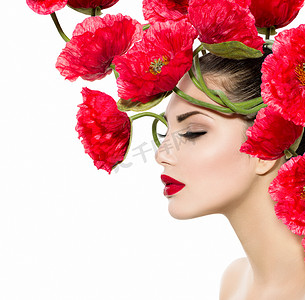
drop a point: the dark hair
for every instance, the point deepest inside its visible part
(240, 79)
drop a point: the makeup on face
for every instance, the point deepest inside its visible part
(201, 152)
(193, 130)
(172, 186)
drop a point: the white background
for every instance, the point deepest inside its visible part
(67, 230)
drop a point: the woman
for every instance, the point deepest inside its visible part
(215, 177)
(204, 170)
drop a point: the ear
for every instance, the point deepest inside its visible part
(265, 166)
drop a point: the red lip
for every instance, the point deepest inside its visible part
(172, 186)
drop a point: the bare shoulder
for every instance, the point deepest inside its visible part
(232, 277)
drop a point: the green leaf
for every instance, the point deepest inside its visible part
(293, 148)
(233, 50)
(88, 11)
(127, 105)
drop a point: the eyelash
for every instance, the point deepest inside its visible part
(188, 135)
(192, 135)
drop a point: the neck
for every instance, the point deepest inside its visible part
(275, 253)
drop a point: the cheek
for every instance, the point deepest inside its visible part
(220, 175)
(216, 176)
(220, 159)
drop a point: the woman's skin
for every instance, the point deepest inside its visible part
(219, 178)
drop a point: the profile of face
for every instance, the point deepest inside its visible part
(201, 150)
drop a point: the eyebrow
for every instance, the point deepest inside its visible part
(184, 116)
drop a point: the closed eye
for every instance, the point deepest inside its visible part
(188, 134)
(161, 135)
(192, 135)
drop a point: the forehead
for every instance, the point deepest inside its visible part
(178, 105)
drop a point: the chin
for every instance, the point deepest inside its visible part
(184, 211)
(184, 208)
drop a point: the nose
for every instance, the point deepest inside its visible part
(166, 154)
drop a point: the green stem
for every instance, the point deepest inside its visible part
(198, 49)
(148, 114)
(198, 72)
(239, 110)
(210, 93)
(194, 79)
(269, 44)
(145, 27)
(243, 108)
(201, 103)
(257, 108)
(268, 31)
(154, 125)
(196, 83)
(219, 97)
(250, 103)
(96, 11)
(154, 131)
(292, 152)
(59, 29)
(116, 74)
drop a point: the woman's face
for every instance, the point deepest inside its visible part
(216, 175)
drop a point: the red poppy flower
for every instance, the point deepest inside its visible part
(283, 79)
(156, 63)
(103, 129)
(163, 10)
(243, 3)
(46, 7)
(270, 135)
(275, 13)
(92, 3)
(223, 21)
(288, 189)
(95, 42)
